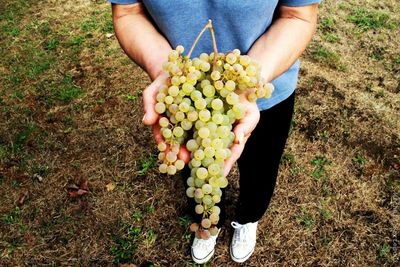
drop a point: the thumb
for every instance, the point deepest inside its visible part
(149, 99)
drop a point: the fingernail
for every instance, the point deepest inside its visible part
(144, 117)
(240, 138)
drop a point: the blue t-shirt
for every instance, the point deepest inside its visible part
(237, 24)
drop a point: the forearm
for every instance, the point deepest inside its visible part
(285, 40)
(139, 39)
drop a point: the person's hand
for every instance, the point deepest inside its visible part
(242, 131)
(151, 117)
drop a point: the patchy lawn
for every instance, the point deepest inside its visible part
(78, 179)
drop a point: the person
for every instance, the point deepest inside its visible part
(274, 33)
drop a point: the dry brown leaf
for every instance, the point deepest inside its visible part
(22, 197)
(111, 186)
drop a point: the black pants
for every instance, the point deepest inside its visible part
(259, 163)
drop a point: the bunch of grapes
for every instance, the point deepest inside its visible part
(198, 106)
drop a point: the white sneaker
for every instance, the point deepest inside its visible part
(203, 250)
(243, 241)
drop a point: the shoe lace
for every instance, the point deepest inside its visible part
(241, 233)
(203, 244)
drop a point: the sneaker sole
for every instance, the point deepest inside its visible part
(201, 261)
(241, 259)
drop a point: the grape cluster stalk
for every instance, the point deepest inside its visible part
(198, 106)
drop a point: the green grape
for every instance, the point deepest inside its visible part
(171, 156)
(190, 191)
(175, 80)
(199, 154)
(206, 223)
(213, 181)
(190, 182)
(160, 97)
(217, 118)
(230, 85)
(161, 156)
(206, 142)
(251, 70)
(198, 124)
(179, 164)
(168, 100)
(220, 154)
(199, 209)
(204, 115)
(203, 83)
(222, 181)
(204, 57)
(187, 88)
(218, 85)
(192, 145)
(231, 58)
(215, 190)
(212, 126)
(217, 104)
(239, 111)
(202, 173)
(207, 189)
(205, 66)
(209, 91)
(213, 230)
(209, 152)
(171, 169)
(214, 218)
(244, 60)
(178, 131)
(160, 107)
(173, 55)
(184, 107)
(200, 103)
(207, 200)
(204, 132)
(162, 146)
(216, 199)
(206, 162)
(195, 162)
(214, 169)
(173, 90)
(215, 75)
(186, 124)
(166, 133)
(232, 98)
(163, 122)
(180, 49)
(217, 143)
(199, 182)
(192, 116)
(198, 193)
(163, 168)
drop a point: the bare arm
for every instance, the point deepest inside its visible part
(285, 40)
(276, 51)
(139, 39)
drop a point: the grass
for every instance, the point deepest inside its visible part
(71, 109)
(370, 19)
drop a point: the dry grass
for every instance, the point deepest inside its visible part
(70, 110)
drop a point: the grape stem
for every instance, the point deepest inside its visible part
(211, 28)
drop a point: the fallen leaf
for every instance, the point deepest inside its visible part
(72, 187)
(78, 193)
(84, 185)
(22, 197)
(111, 186)
(109, 35)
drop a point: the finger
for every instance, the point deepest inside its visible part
(184, 154)
(236, 151)
(157, 133)
(149, 100)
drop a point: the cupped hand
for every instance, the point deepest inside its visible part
(242, 130)
(151, 117)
